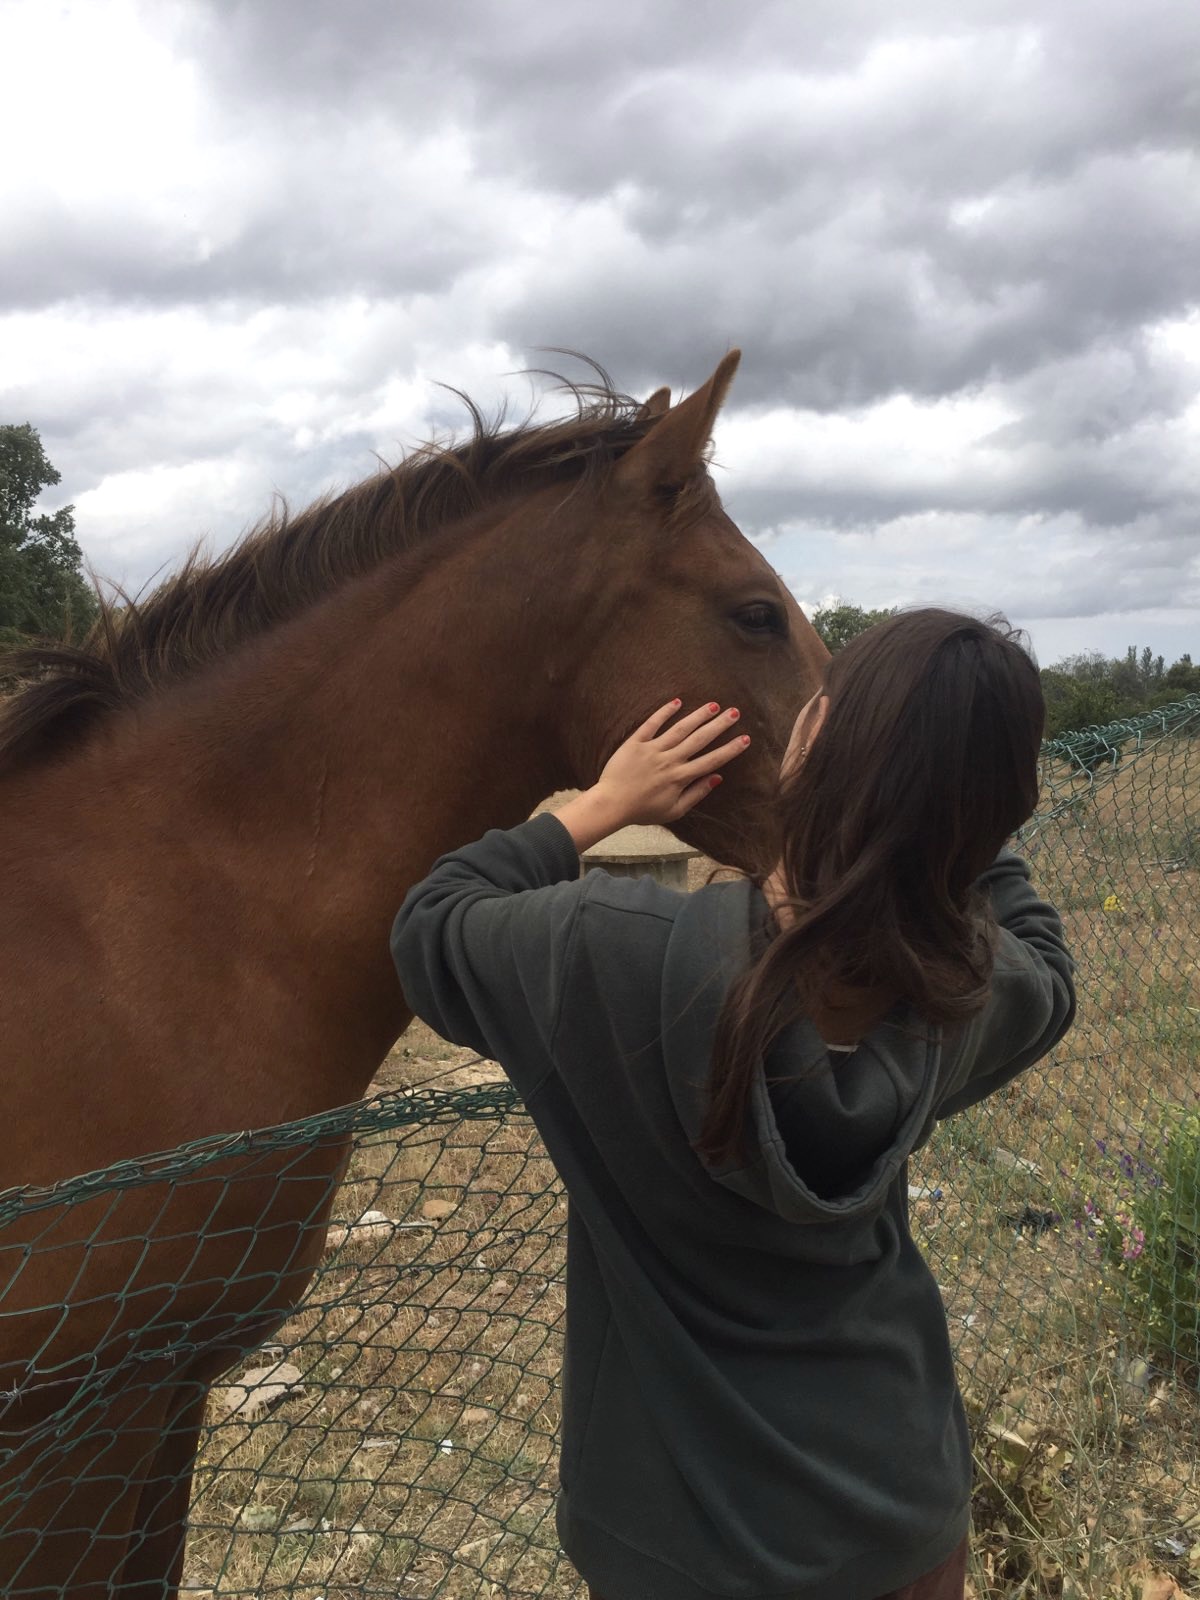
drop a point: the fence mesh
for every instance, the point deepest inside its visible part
(396, 1435)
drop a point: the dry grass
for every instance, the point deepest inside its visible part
(1087, 1458)
(421, 1460)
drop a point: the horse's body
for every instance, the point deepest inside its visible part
(206, 827)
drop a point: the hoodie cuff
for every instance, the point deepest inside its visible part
(552, 844)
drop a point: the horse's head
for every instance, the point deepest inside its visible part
(681, 603)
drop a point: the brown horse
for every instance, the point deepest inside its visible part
(208, 818)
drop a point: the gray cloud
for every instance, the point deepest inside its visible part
(874, 201)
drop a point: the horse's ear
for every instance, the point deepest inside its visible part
(670, 452)
(658, 405)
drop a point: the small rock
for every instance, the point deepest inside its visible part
(1135, 1373)
(373, 1227)
(261, 1388)
(1007, 1162)
(1175, 1548)
(258, 1519)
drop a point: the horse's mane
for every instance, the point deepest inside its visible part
(287, 563)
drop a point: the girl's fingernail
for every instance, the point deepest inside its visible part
(714, 780)
(745, 738)
(734, 714)
(713, 706)
(676, 702)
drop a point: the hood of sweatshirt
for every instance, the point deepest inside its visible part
(828, 1132)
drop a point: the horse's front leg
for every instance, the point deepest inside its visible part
(69, 1494)
(153, 1568)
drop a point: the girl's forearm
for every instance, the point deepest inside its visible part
(590, 817)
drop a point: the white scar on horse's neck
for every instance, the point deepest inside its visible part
(318, 815)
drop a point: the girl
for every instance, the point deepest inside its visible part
(759, 1400)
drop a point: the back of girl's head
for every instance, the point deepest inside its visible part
(926, 762)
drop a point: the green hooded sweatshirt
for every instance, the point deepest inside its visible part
(759, 1400)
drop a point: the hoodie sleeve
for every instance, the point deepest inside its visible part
(482, 944)
(1032, 1001)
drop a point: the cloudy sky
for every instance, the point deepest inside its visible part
(957, 240)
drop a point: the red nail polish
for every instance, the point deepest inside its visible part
(734, 714)
(713, 706)
(676, 702)
(745, 738)
(714, 780)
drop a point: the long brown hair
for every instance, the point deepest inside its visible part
(926, 763)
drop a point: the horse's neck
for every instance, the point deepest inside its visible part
(251, 839)
(422, 726)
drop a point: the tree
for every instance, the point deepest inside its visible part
(840, 622)
(1074, 702)
(43, 592)
(1182, 678)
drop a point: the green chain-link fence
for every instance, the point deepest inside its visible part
(398, 1436)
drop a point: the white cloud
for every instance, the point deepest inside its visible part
(899, 447)
(112, 109)
(958, 248)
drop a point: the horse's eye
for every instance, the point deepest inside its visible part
(763, 618)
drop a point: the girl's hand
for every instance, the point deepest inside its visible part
(655, 777)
